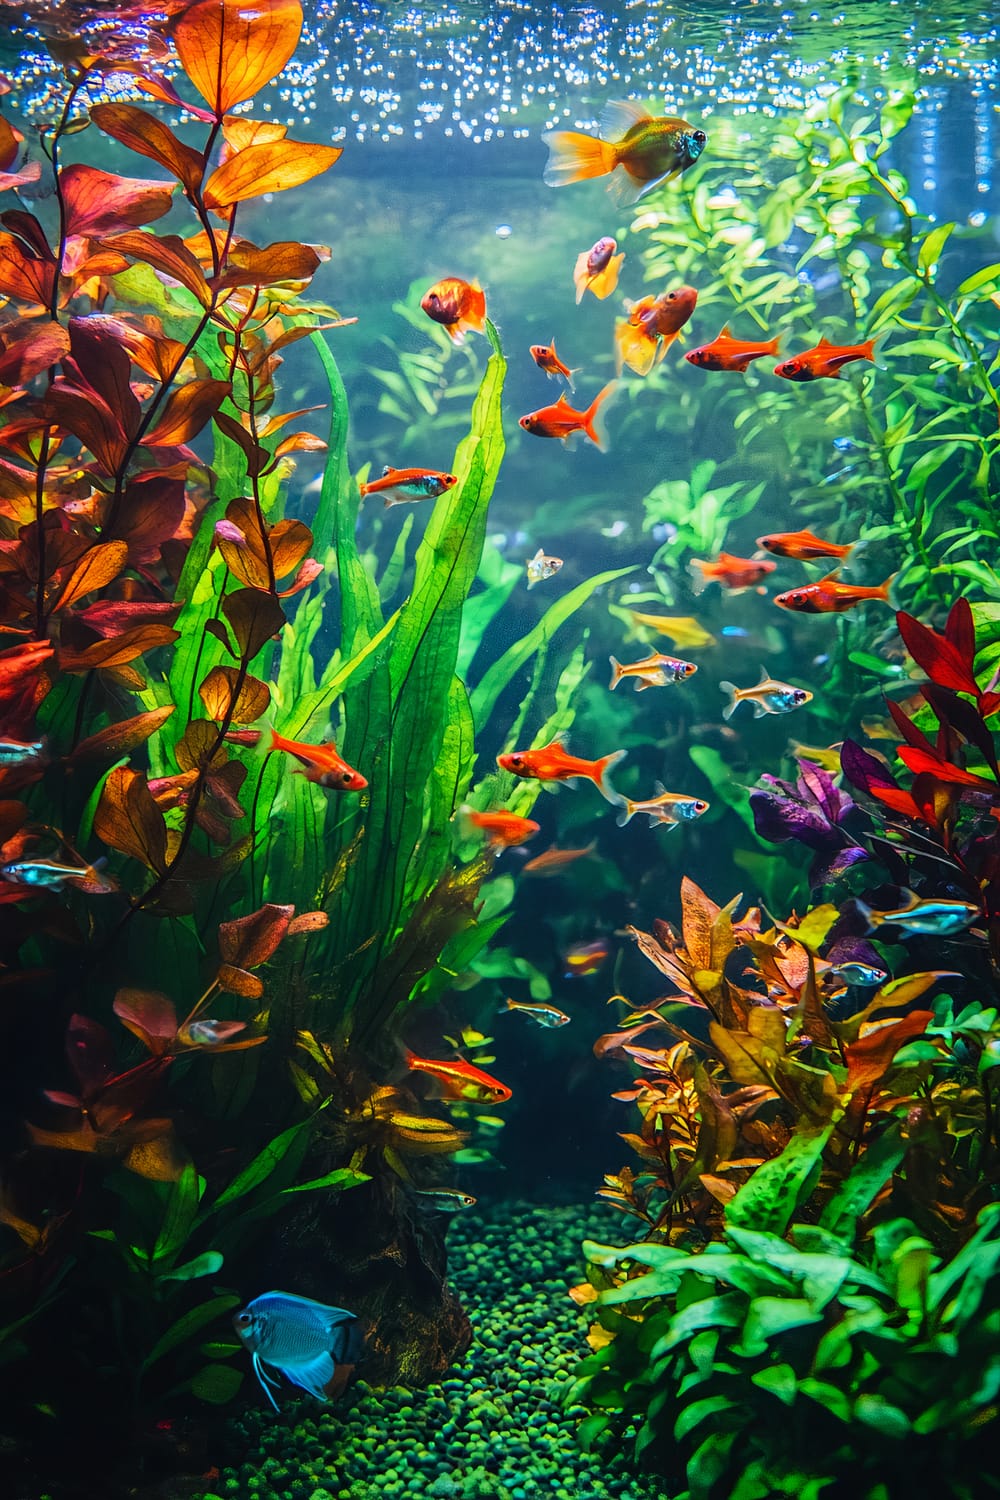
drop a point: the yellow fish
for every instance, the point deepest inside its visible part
(683, 630)
(828, 759)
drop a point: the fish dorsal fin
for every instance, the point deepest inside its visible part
(659, 789)
(831, 577)
(763, 677)
(552, 346)
(619, 116)
(824, 344)
(909, 901)
(725, 334)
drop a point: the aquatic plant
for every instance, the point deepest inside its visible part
(871, 1131)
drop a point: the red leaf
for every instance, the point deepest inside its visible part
(187, 410)
(960, 631)
(307, 574)
(148, 136)
(152, 512)
(99, 203)
(286, 261)
(919, 760)
(869, 1058)
(254, 617)
(116, 651)
(250, 941)
(10, 144)
(90, 1053)
(938, 656)
(82, 412)
(911, 734)
(100, 361)
(148, 1015)
(230, 49)
(45, 345)
(113, 616)
(24, 275)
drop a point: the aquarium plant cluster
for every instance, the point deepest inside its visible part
(249, 834)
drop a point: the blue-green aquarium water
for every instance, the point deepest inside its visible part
(407, 414)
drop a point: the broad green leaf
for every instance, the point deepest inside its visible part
(987, 276)
(865, 1180)
(206, 1264)
(777, 1190)
(264, 1164)
(340, 1178)
(191, 1323)
(217, 1383)
(930, 251)
(181, 1211)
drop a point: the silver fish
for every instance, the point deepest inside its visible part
(923, 918)
(21, 752)
(865, 976)
(540, 567)
(302, 1339)
(767, 697)
(545, 1015)
(445, 1200)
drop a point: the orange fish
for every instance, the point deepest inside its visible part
(459, 306)
(460, 1080)
(503, 829)
(553, 763)
(597, 269)
(553, 860)
(802, 545)
(585, 958)
(643, 338)
(562, 420)
(322, 764)
(824, 361)
(734, 573)
(727, 353)
(400, 486)
(829, 596)
(547, 359)
(637, 149)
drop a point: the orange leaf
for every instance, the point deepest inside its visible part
(148, 136)
(699, 914)
(95, 569)
(308, 921)
(267, 169)
(187, 410)
(129, 820)
(115, 651)
(28, 277)
(120, 738)
(250, 941)
(288, 260)
(869, 1059)
(217, 693)
(99, 203)
(229, 49)
(300, 442)
(10, 144)
(290, 541)
(234, 981)
(167, 254)
(240, 132)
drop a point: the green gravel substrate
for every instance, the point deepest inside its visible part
(495, 1429)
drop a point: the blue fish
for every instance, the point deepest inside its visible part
(302, 1339)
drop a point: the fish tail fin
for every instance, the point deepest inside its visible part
(604, 283)
(509, 1004)
(593, 418)
(573, 157)
(604, 765)
(699, 577)
(883, 588)
(633, 347)
(773, 346)
(865, 912)
(732, 690)
(627, 812)
(475, 313)
(569, 376)
(616, 672)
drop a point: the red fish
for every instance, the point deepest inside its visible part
(727, 353)
(824, 361)
(585, 958)
(553, 763)
(459, 306)
(400, 486)
(730, 572)
(504, 830)
(322, 764)
(643, 338)
(547, 359)
(802, 545)
(562, 420)
(460, 1080)
(597, 269)
(829, 596)
(554, 859)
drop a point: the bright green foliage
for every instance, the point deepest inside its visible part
(762, 1367)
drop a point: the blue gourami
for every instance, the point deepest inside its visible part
(303, 1339)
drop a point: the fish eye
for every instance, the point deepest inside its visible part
(450, 479)
(243, 1319)
(701, 806)
(347, 777)
(517, 761)
(699, 138)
